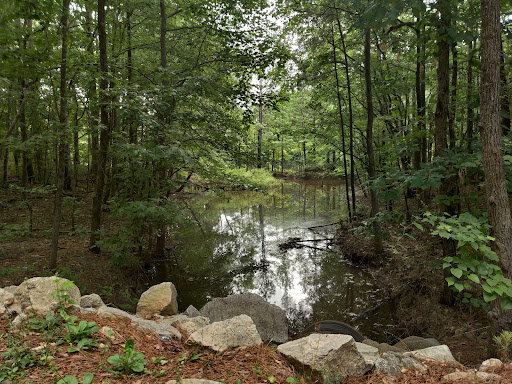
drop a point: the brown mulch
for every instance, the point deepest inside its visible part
(255, 365)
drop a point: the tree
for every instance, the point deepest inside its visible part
(498, 207)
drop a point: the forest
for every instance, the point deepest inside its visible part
(112, 111)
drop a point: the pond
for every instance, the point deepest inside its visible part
(277, 245)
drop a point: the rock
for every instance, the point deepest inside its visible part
(490, 365)
(11, 289)
(438, 353)
(164, 331)
(13, 309)
(192, 311)
(385, 347)
(369, 353)
(160, 299)
(327, 357)
(413, 343)
(239, 331)
(391, 363)
(91, 301)
(192, 381)
(107, 332)
(471, 377)
(371, 342)
(270, 320)
(37, 294)
(18, 320)
(187, 324)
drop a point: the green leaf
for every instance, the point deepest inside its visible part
(68, 380)
(474, 278)
(450, 280)
(457, 272)
(88, 378)
(418, 225)
(489, 296)
(458, 286)
(129, 348)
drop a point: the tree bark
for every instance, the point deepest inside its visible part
(377, 245)
(105, 128)
(342, 128)
(63, 121)
(498, 207)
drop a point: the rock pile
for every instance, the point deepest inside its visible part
(240, 321)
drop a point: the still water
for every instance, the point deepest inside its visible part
(278, 246)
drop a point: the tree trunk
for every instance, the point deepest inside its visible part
(453, 96)
(369, 144)
(105, 127)
(440, 132)
(505, 103)
(63, 121)
(498, 207)
(469, 96)
(350, 119)
(341, 127)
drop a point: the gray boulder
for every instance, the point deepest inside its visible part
(239, 331)
(391, 363)
(270, 320)
(369, 353)
(164, 331)
(160, 299)
(91, 301)
(326, 357)
(437, 353)
(413, 343)
(6, 300)
(39, 295)
(187, 324)
(192, 311)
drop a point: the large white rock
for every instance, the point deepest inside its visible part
(369, 353)
(270, 320)
(164, 331)
(437, 353)
(160, 299)
(239, 331)
(327, 357)
(38, 294)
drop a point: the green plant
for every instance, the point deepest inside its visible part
(69, 379)
(475, 261)
(78, 332)
(16, 359)
(504, 342)
(129, 361)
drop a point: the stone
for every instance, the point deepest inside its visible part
(371, 342)
(10, 289)
(192, 311)
(369, 353)
(192, 381)
(437, 353)
(160, 299)
(471, 377)
(107, 332)
(239, 331)
(490, 365)
(270, 320)
(164, 331)
(326, 357)
(413, 343)
(91, 301)
(37, 294)
(385, 347)
(391, 363)
(187, 324)
(19, 320)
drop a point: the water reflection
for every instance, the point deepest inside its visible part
(276, 245)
